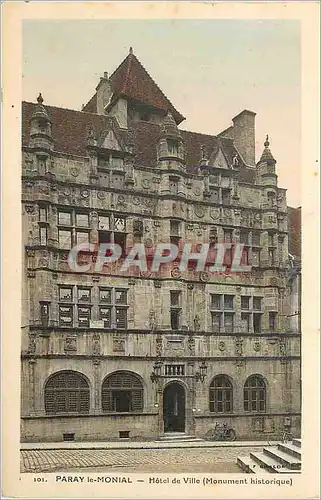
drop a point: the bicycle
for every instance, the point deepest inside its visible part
(286, 436)
(221, 433)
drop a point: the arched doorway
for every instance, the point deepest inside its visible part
(174, 408)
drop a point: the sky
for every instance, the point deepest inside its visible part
(209, 69)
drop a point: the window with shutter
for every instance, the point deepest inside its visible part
(122, 392)
(67, 392)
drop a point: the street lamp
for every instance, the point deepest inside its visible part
(156, 373)
(201, 374)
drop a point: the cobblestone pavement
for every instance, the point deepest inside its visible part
(158, 461)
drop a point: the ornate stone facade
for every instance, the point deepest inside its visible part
(127, 173)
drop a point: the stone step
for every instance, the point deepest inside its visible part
(179, 437)
(291, 449)
(266, 463)
(283, 458)
(297, 442)
(247, 464)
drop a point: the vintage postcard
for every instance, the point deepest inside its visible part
(161, 248)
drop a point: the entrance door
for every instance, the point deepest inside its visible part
(174, 408)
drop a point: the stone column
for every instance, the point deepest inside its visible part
(32, 402)
(96, 402)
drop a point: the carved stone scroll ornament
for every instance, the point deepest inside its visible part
(239, 347)
(32, 344)
(197, 323)
(152, 319)
(70, 344)
(96, 348)
(159, 345)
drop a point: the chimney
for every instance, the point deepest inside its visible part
(244, 135)
(104, 93)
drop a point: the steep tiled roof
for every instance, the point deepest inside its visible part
(132, 81)
(294, 229)
(70, 131)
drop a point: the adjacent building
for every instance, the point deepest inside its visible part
(110, 354)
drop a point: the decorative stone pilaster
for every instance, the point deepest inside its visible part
(32, 406)
(97, 385)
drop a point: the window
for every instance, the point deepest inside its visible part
(43, 235)
(66, 392)
(69, 233)
(173, 185)
(44, 313)
(255, 394)
(105, 295)
(103, 161)
(227, 236)
(82, 220)
(256, 239)
(229, 322)
(271, 199)
(121, 296)
(66, 316)
(174, 370)
(226, 196)
(245, 302)
(245, 322)
(117, 234)
(244, 237)
(84, 294)
(83, 316)
(256, 254)
(172, 147)
(105, 316)
(68, 297)
(43, 224)
(216, 322)
(42, 162)
(65, 294)
(82, 237)
(216, 301)
(64, 218)
(257, 322)
(221, 395)
(65, 239)
(121, 318)
(175, 298)
(222, 303)
(175, 228)
(175, 319)
(122, 392)
(145, 117)
(175, 302)
(115, 314)
(270, 239)
(228, 302)
(272, 321)
(271, 257)
(42, 214)
(257, 303)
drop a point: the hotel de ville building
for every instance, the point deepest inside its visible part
(142, 354)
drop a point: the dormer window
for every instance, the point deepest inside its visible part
(103, 161)
(145, 117)
(172, 147)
